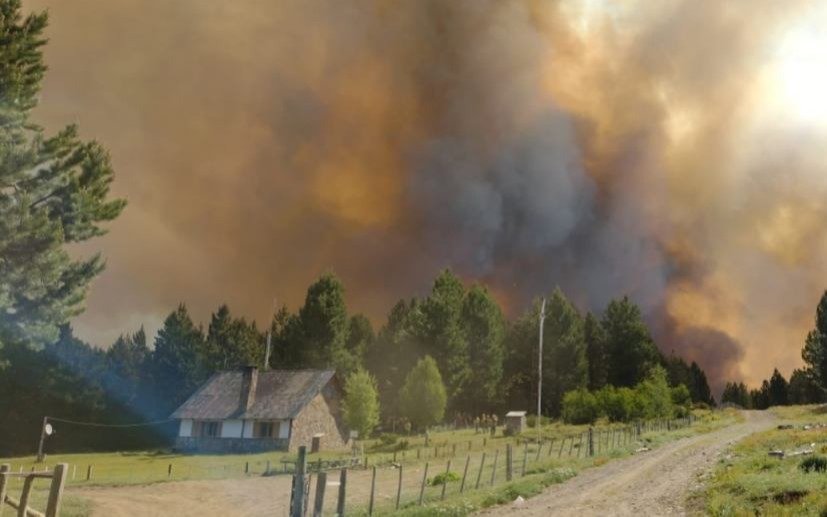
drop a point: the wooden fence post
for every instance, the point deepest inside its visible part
(321, 484)
(24, 497)
(539, 450)
(445, 481)
(550, 447)
(579, 445)
(169, 471)
(571, 445)
(525, 457)
(465, 474)
(372, 491)
(424, 480)
(4, 468)
(562, 444)
(399, 488)
(509, 462)
(340, 504)
(494, 470)
(89, 473)
(479, 474)
(591, 441)
(297, 502)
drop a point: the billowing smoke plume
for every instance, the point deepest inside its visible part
(611, 148)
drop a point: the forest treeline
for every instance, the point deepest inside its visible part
(487, 363)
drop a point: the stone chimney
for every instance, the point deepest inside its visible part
(249, 380)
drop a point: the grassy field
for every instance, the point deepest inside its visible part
(749, 481)
(544, 467)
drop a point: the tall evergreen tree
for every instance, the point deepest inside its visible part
(232, 343)
(54, 191)
(324, 325)
(804, 388)
(128, 360)
(483, 327)
(360, 337)
(736, 393)
(564, 352)
(698, 385)
(597, 355)
(632, 353)
(179, 360)
(778, 389)
(815, 347)
(441, 333)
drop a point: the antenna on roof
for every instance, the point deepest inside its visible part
(269, 338)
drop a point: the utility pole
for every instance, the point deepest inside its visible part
(42, 438)
(266, 365)
(540, 369)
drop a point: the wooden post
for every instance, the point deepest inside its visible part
(579, 444)
(465, 474)
(479, 474)
(24, 497)
(494, 470)
(571, 445)
(525, 458)
(591, 441)
(550, 447)
(4, 468)
(340, 505)
(40, 443)
(372, 491)
(267, 468)
(539, 450)
(297, 502)
(89, 473)
(247, 467)
(394, 456)
(509, 463)
(169, 471)
(562, 444)
(424, 480)
(321, 484)
(445, 483)
(399, 488)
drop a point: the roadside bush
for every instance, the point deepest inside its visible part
(388, 438)
(580, 407)
(443, 478)
(654, 396)
(681, 399)
(616, 404)
(813, 464)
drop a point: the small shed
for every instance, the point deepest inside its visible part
(515, 421)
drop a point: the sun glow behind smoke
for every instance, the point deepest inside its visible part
(801, 68)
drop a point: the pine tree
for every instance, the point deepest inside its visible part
(815, 347)
(778, 389)
(804, 388)
(632, 353)
(441, 333)
(360, 337)
(483, 327)
(596, 353)
(232, 343)
(564, 352)
(698, 385)
(54, 191)
(179, 360)
(127, 360)
(322, 332)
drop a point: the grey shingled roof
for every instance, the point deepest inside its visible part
(280, 394)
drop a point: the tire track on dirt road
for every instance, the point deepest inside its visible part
(657, 482)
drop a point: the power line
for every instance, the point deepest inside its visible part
(98, 424)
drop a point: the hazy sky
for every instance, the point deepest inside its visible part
(671, 151)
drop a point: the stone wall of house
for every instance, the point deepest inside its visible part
(322, 415)
(235, 445)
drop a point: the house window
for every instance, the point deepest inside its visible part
(265, 430)
(210, 429)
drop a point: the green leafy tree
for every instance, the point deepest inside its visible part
(631, 350)
(361, 403)
(681, 400)
(54, 191)
(423, 397)
(597, 355)
(394, 353)
(655, 395)
(616, 404)
(232, 343)
(815, 347)
(484, 330)
(179, 361)
(441, 333)
(580, 407)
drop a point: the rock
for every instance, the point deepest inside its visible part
(519, 501)
(785, 426)
(777, 454)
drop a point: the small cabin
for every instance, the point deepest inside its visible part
(250, 411)
(515, 421)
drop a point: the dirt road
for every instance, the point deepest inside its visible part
(655, 483)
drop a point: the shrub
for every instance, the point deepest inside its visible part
(580, 407)
(388, 438)
(361, 402)
(422, 398)
(616, 404)
(681, 399)
(813, 464)
(443, 478)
